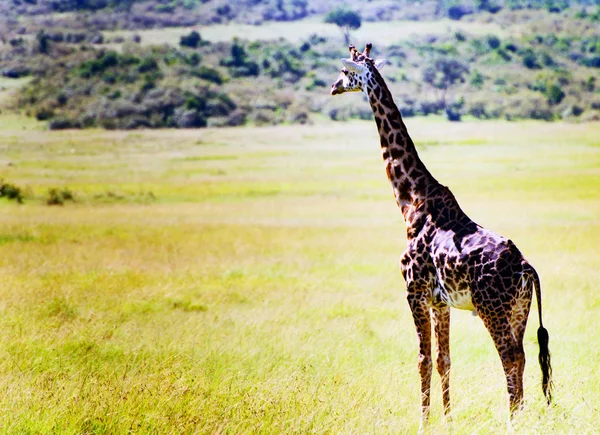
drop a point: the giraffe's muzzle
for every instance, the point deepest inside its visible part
(337, 88)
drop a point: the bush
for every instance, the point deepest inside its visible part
(407, 107)
(59, 196)
(147, 85)
(109, 77)
(62, 99)
(530, 60)
(454, 110)
(486, 5)
(250, 69)
(239, 63)
(62, 124)
(192, 40)
(478, 110)
(218, 108)
(493, 41)
(193, 59)
(44, 114)
(75, 38)
(570, 111)
(195, 102)
(299, 117)
(15, 72)
(459, 11)
(547, 59)
(337, 114)
(460, 36)
(476, 79)
(189, 119)
(96, 66)
(452, 115)
(137, 122)
(96, 38)
(209, 74)
(224, 10)
(589, 84)
(237, 117)
(591, 62)
(148, 64)
(556, 6)
(535, 110)
(16, 42)
(425, 107)
(164, 8)
(10, 191)
(315, 83)
(554, 94)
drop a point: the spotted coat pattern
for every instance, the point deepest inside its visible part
(449, 260)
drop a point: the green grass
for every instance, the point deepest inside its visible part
(259, 292)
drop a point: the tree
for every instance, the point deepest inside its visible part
(43, 42)
(442, 74)
(345, 19)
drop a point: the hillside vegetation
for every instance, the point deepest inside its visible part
(533, 67)
(138, 14)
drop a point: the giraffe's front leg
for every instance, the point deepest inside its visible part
(441, 323)
(420, 311)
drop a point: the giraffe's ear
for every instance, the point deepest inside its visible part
(352, 66)
(380, 63)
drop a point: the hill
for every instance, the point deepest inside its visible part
(516, 64)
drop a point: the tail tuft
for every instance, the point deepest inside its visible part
(544, 359)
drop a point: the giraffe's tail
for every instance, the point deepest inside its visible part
(543, 339)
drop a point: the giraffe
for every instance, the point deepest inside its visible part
(449, 261)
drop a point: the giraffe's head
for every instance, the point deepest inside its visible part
(357, 71)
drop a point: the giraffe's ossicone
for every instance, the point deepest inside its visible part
(449, 260)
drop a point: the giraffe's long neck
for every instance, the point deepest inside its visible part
(410, 179)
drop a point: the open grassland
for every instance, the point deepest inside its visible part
(507, 24)
(8, 89)
(246, 281)
(388, 32)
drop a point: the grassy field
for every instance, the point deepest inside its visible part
(246, 281)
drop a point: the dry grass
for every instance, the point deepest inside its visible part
(388, 32)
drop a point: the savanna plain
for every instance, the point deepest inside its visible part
(246, 280)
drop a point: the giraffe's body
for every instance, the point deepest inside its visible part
(449, 261)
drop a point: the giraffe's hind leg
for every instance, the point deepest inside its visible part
(511, 354)
(518, 324)
(441, 322)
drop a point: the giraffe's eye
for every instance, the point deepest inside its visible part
(345, 71)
